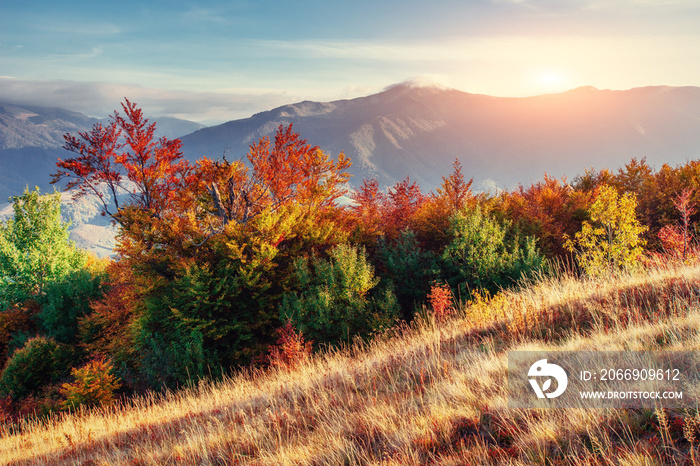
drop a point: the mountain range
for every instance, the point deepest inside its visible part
(406, 130)
(501, 142)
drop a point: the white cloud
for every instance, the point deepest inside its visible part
(426, 80)
(101, 99)
(94, 53)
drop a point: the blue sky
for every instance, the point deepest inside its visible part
(215, 61)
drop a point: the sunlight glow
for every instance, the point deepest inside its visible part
(550, 80)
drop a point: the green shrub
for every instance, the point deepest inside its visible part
(408, 268)
(66, 301)
(172, 359)
(40, 362)
(483, 255)
(335, 300)
(207, 317)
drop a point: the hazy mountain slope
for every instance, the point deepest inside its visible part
(38, 127)
(419, 131)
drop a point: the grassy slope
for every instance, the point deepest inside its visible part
(432, 394)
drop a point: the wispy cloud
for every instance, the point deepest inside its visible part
(206, 15)
(101, 99)
(507, 49)
(90, 28)
(93, 53)
(685, 3)
(425, 80)
(365, 50)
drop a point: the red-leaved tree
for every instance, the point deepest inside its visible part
(126, 157)
(368, 211)
(403, 202)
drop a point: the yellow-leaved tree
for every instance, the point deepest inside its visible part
(610, 241)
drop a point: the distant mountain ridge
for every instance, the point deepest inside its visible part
(419, 131)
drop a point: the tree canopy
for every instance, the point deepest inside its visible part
(34, 247)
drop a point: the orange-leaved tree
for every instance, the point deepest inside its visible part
(677, 238)
(432, 221)
(94, 385)
(549, 210)
(377, 214)
(288, 171)
(143, 184)
(292, 169)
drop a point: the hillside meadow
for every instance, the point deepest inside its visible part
(430, 393)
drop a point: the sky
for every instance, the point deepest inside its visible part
(214, 61)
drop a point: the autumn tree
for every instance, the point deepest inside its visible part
(94, 385)
(290, 350)
(455, 192)
(108, 329)
(290, 170)
(611, 240)
(369, 209)
(686, 208)
(155, 214)
(548, 210)
(294, 170)
(677, 238)
(126, 157)
(591, 179)
(634, 177)
(403, 202)
(432, 220)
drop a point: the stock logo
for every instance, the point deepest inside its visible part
(542, 369)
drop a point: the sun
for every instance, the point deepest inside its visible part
(549, 80)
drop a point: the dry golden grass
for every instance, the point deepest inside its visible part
(431, 394)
